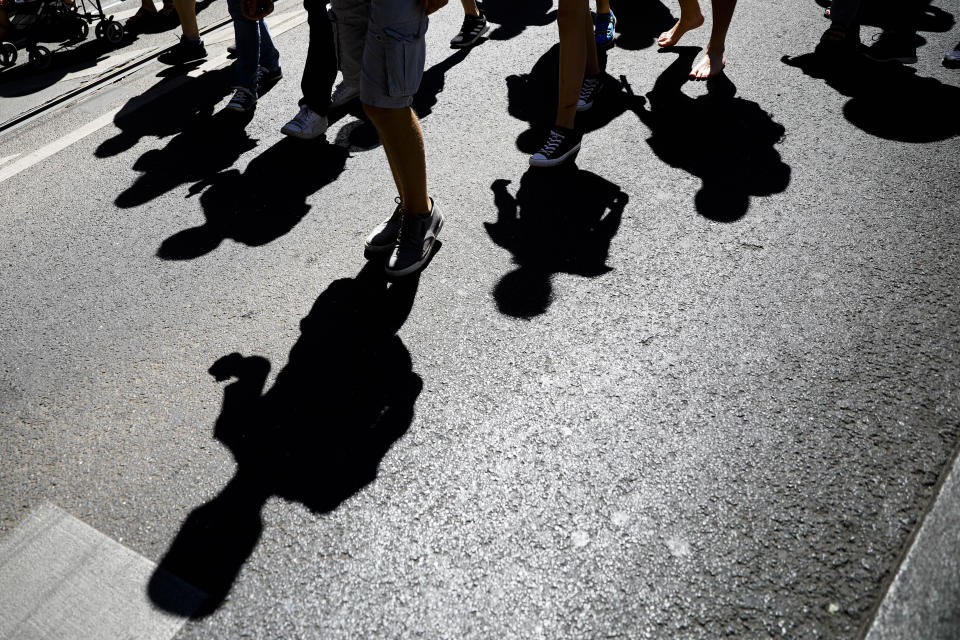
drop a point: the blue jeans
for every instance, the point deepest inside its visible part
(254, 48)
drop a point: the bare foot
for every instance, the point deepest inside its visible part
(672, 37)
(710, 65)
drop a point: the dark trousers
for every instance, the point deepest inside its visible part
(320, 70)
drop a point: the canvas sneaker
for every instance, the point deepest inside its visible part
(268, 77)
(952, 58)
(471, 31)
(243, 100)
(306, 125)
(343, 94)
(415, 241)
(561, 144)
(384, 236)
(183, 52)
(591, 87)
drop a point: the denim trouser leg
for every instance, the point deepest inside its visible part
(254, 48)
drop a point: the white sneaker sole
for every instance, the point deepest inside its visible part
(547, 162)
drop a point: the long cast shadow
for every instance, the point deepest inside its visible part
(316, 437)
(561, 220)
(261, 204)
(728, 142)
(889, 101)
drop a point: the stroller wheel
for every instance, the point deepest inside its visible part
(8, 54)
(99, 29)
(113, 32)
(82, 30)
(40, 58)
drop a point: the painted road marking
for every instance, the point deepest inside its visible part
(62, 579)
(278, 25)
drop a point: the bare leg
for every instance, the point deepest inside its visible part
(578, 56)
(402, 141)
(690, 18)
(713, 59)
(187, 12)
(470, 8)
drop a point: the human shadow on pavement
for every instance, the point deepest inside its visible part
(887, 100)
(532, 97)
(174, 105)
(640, 23)
(316, 436)
(727, 142)
(511, 18)
(561, 220)
(260, 204)
(433, 82)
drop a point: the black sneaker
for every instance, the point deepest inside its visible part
(183, 52)
(892, 48)
(591, 87)
(561, 144)
(472, 29)
(266, 78)
(243, 100)
(415, 241)
(384, 236)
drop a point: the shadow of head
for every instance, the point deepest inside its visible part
(726, 141)
(561, 220)
(316, 437)
(261, 204)
(887, 100)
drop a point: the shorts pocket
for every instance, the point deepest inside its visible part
(404, 51)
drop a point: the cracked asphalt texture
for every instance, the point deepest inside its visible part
(653, 405)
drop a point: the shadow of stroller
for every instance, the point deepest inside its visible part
(316, 437)
(889, 101)
(727, 142)
(511, 18)
(261, 204)
(560, 221)
(532, 97)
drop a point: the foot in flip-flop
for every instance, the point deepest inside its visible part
(710, 65)
(684, 24)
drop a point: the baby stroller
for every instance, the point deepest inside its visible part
(33, 21)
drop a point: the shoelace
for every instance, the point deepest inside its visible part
(588, 86)
(552, 142)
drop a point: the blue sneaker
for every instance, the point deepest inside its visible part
(604, 28)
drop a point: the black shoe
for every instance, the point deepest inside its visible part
(892, 48)
(266, 78)
(414, 241)
(472, 29)
(591, 87)
(561, 144)
(183, 52)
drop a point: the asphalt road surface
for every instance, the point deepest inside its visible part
(702, 384)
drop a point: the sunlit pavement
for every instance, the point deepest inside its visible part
(702, 384)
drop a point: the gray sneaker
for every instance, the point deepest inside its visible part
(384, 236)
(415, 242)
